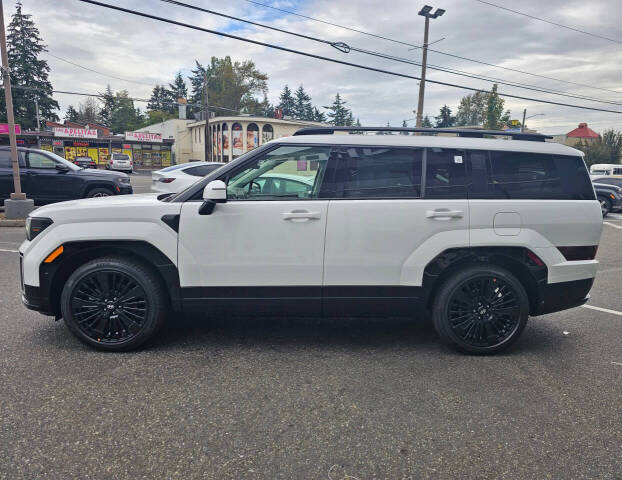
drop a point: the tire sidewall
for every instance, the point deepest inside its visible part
(93, 192)
(153, 300)
(608, 203)
(441, 307)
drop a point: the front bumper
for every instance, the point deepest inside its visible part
(125, 189)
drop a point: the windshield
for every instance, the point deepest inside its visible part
(67, 163)
(120, 156)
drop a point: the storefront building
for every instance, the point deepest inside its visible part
(146, 150)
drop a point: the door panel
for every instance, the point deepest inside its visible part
(46, 184)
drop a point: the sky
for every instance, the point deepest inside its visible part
(143, 52)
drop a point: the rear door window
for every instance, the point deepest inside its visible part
(445, 175)
(372, 172)
(5, 159)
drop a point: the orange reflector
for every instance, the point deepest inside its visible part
(52, 256)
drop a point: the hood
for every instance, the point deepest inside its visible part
(111, 208)
(101, 173)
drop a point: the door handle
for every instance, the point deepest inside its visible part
(444, 214)
(301, 215)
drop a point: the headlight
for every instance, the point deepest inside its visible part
(124, 179)
(35, 225)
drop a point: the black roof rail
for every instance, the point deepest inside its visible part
(471, 133)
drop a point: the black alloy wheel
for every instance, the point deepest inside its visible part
(109, 306)
(484, 309)
(114, 303)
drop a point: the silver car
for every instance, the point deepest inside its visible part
(120, 161)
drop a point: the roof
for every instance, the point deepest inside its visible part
(257, 119)
(582, 131)
(433, 141)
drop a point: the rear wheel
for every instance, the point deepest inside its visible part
(114, 303)
(99, 192)
(605, 205)
(482, 309)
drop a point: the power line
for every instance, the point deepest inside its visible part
(100, 95)
(95, 71)
(345, 48)
(333, 60)
(481, 62)
(533, 17)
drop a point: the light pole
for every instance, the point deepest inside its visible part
(525, 118)
(427, 13)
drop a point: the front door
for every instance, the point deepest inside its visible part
(46, 183)
(396, 209)
(262, 251)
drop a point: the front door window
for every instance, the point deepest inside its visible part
(284, 173)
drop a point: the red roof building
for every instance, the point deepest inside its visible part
(583, 132)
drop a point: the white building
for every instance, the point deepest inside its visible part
(235, 135)
(174, 129)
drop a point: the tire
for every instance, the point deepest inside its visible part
(99, 192)
(126, 321)
(605, 205)
(467, 311)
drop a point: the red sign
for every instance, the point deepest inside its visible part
(80, 144)
(143, 137)
(75, 132)
(127, 146)
(278, 113)
(4, 128)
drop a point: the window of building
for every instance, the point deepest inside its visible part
(267, 133)
(379, 173)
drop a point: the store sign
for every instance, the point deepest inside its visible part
(57, 143)
(75, 132)
(4, 128)
(143, 137)
(80, 144)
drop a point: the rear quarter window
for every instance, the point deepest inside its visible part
(534, 176)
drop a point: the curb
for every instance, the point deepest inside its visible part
(12, 223)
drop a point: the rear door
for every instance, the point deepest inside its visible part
(395, 210)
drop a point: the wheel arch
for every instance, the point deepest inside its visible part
(98, 184)
(519, 261)
(53, 276)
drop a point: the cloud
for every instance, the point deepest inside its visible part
(152, 52)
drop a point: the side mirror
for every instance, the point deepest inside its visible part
(216, 191)
(62, 168)
(213, 193)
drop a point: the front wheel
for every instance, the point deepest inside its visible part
(482, 309)
(605, 205)
(99, 192)
(114, 303)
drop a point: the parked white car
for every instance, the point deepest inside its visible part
(120, 162)
(178, 177)
(601, 169)
(480, 233)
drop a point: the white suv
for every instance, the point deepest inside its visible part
(480, 233)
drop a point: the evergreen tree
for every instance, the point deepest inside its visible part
(29, 75)
(287, 102)
(495, 115)
(302, 105)
(338, 113)
(445, 119)
(158, 100)
(71, 115)
(178, 87)
(318, 116)
(108, 105)
(426, 122)
(267, 109)
(125, 117)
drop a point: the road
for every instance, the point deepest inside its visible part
(224, 398)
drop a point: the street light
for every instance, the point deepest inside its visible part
(525, 118)
(426, 12)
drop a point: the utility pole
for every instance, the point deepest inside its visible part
(38, 123)
(522, 126)
(427, 13)
(17, 206)
(208, 138)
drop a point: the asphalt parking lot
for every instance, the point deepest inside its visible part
(219, 398)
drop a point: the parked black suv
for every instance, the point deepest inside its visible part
(48, 178)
